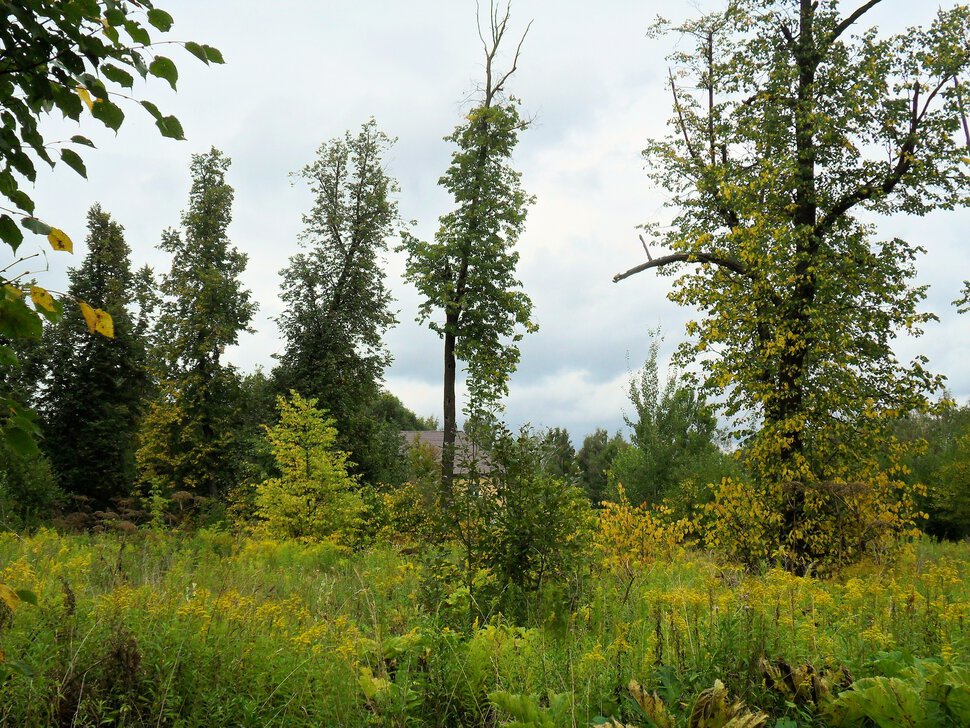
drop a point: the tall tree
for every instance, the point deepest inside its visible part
(64, 56)
(468, 272)
(801, 125)
(94, 390)
(187, 441)
(337, 303)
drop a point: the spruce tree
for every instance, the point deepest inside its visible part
(92, 398)
(187, 442)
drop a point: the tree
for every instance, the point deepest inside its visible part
(337, 303)
(673, 436)
(187, 441)
(93, 395)
(314, 497)
(560, 455)
(468, 272)
(65, 55)
(796, 132)
(594, 459)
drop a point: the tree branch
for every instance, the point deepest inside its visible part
(722, 261)
(904, 162)
(847, 23)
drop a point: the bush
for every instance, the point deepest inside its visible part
(314, 497)
(29, 495)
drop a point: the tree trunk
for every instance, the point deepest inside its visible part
(450, 423)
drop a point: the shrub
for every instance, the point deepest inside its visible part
(314, 497)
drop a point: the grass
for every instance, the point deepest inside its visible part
(216, 629)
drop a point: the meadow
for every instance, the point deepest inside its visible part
(213, 628)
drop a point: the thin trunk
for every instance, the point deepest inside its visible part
(450, 420)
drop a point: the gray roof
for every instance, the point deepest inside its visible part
(466, 451)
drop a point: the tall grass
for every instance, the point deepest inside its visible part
(214, 629)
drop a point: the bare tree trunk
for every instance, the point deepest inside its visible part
(450, 419)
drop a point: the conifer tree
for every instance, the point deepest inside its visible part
(94, 387)
(187, 441)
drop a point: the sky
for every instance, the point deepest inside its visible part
(301, 72)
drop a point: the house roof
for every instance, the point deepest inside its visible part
(466, 451)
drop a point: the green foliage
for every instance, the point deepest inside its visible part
(29, 494)
(594, 459)
(66, 56)
(942, 465)
(314, 497)
(337, 303)
(771, 166)
(674, 439)
(527, 528)
(922, 695)
(188, 440)
(94, 388)
(251, 631)
(468, 272)
(560, 460)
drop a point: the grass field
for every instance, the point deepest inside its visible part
(214, 629)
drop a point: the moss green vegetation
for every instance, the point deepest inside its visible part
(215, 629)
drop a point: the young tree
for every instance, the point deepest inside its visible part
(673, 438)
(337, 304)
(468, 272)
(187, 441)
(801, 125)
(314, 497)
(594, 460)
(94, 389)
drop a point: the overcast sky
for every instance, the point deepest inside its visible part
(300, 72)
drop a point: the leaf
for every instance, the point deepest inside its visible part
(85, 97)
(98, 320)
(152, 109)
(9, 597)
(197, 50)
(170, 127)
(41, 298)
(59, 240)
(27, 596)
(78, 139)
(164, 68)
(10, 233)
(73, 160)
(36, 226)
(119, 75)
(137, 33)
(108, 113)
(213, 54)
(160, 19)
(17, 319)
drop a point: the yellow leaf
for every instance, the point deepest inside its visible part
(9, 597)
(98, 321)
(13, 291)
(60, 241)
(41, 298)
(85, 97)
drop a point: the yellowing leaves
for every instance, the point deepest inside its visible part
(42, 299)
(85, 96)
(9, 597)
(98, 321)
(59, 240)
